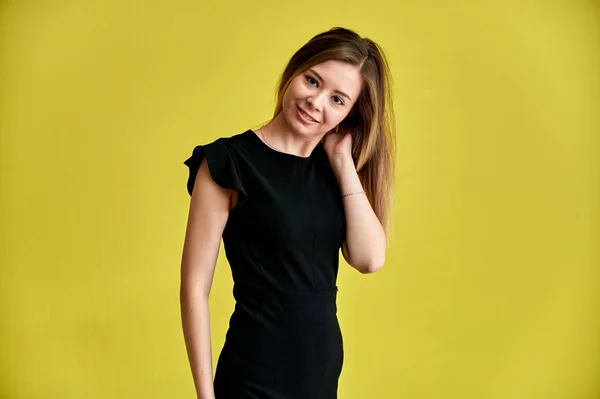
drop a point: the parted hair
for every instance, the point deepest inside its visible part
(371, 120)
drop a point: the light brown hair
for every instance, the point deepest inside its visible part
(372, 117)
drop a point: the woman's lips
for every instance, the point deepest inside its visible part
(305, 116)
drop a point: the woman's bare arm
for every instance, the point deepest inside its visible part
(365, 244)
(208, 214)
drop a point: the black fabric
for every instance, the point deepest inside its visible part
(282, 242)
(221, 164)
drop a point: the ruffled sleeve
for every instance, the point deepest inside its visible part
(222, 165)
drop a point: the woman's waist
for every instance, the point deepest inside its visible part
(316, 305)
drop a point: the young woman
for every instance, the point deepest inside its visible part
(286, 198)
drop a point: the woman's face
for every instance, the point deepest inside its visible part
(318, 99)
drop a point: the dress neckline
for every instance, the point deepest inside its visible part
(255, 136)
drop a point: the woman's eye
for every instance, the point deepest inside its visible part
(311, 81)
(338, 100)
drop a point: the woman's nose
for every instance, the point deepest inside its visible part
(316, 101)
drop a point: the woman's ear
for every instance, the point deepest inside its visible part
(351, 122)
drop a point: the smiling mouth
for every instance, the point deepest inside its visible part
(307, 116)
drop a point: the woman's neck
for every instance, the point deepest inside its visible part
(278, 135)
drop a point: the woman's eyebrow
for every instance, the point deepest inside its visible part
(341, 93)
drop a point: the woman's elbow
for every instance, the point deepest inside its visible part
(372, 266)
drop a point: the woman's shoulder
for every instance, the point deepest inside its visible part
(236, 139)
(224, 147)
(236, 143)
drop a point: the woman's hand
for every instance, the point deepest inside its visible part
(338, 146)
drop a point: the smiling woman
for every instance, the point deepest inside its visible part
(286, 199)
(320, 90)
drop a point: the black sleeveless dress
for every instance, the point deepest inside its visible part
(282, 241)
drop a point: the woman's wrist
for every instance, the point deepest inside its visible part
(341, 163)
(353, 193)
(346, 176)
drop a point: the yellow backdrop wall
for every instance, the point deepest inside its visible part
(490, 289)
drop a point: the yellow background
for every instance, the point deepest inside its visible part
(490, 290)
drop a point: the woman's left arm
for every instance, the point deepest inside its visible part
(365, 244)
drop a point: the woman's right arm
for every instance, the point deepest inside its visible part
(208, 214)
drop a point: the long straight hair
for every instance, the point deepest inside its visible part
(372, 118)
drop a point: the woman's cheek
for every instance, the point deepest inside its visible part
(338, 117)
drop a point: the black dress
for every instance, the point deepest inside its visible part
(282, 241)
